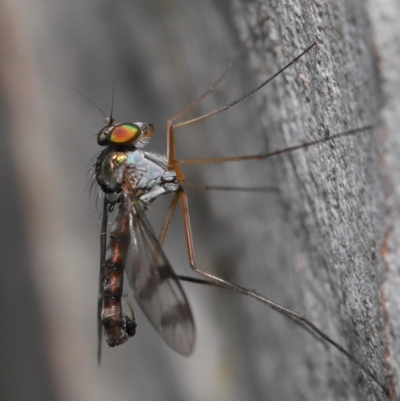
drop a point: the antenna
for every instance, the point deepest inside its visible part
(83, 95)
(112, 100)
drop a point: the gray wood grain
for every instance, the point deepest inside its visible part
(386, 47)
(333, 194)
(323, 244)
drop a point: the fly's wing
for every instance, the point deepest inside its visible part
(155, 286)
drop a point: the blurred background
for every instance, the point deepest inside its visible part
(163, 54)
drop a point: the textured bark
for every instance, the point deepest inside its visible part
(324, 243)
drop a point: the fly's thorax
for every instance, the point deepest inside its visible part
(142, 171)
(149, 173)
(109, 171)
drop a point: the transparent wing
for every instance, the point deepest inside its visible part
(155, 286)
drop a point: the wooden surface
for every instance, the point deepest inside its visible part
(324, 243)
(386, 48)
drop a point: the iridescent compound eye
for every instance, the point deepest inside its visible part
(125, 133)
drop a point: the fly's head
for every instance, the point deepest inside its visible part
(118, 139)
(131, 135)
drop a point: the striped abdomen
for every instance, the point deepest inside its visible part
(117, 328)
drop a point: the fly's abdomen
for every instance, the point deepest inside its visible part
(117, 328)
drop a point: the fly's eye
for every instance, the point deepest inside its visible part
(148, 130)
(102, 136)
(125, 133)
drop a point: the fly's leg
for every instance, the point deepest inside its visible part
(301, 320)
(262, 156)
(161, 238)
(229, 188)
(167, 219)
(163, 232)
(248, 94)
(129, 322)
(172, 164)
(218, 282)
(211, 89)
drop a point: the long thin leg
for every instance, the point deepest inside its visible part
(164, 229)
(171, 127)
(217, 285)
(167, 219)
(197, 280)
(305, 323)
(248, 94)
(161, 238)
(242, 47)
(274, 153)
(228, 188)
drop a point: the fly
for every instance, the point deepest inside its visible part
(131, 179)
